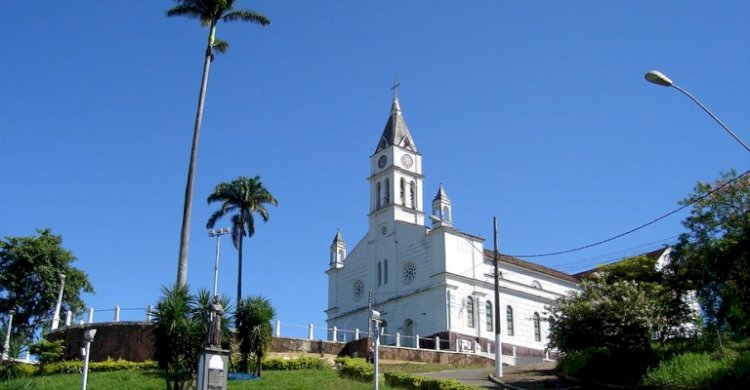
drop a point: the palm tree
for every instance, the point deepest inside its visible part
(245, 196)
(179, 335)
(210, 13)
(253, 318)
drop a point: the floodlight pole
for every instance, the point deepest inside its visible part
(217, 233)
(88, 337)
(56, 317)
(498, 343)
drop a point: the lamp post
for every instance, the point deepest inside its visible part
(88, 337)
(375, 318)
(56, 317)
(217, 233)
(6, 346)
(658, 78)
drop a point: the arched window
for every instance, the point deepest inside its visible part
(377, 204)
(509, 320)
(537, 327)
(387, 195)
(470, 311)
(385, 271)
(403, 191)
(446, 214)
(413, 194)
(380, 274)
(488, 315)
(536, 284)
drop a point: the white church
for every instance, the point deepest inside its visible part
(427, 277)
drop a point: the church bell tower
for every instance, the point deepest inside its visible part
(395, 175)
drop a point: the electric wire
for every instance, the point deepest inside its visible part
(649, 223)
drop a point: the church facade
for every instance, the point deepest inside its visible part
(426, 277)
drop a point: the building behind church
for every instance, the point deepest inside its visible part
(426, 276)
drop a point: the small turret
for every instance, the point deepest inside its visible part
(338, 251)
(441, 209)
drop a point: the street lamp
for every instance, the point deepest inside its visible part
(56, 317)
(375, 318)
(217, 233)
(658, 78)
(88, 337)
(6, 346)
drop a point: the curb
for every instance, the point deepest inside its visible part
(500, 382)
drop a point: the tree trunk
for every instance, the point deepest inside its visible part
(239, 270)
(182, 265)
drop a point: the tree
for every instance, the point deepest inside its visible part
(179, 334)
(210, 13)
(713, 257)
(245, 197)
(29, 280)
(253, 318)
(673, 316)
(619, 316)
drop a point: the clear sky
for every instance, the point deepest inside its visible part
(534, 112)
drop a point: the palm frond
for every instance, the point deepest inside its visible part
(187, 10)
(246, 15)
(220, 46)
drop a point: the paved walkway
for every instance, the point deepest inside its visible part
(528, 377)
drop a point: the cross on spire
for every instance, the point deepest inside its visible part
(395, 89)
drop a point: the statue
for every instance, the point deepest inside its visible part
(215, 311)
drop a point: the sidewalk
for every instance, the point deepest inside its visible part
(528, 377)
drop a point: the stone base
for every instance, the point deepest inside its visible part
(213, 369)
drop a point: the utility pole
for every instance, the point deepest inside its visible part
(498, 344)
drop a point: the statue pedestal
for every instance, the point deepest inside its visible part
(213, 369)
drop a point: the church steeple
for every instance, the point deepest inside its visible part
(396, 132)
(395, 175)
(441, 208)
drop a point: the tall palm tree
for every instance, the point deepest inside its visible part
(210, 13)
(245, 196)
(253, 318)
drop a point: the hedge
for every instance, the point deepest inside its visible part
(299, 363)
(414, 382)
(75, 366)
(355, 368)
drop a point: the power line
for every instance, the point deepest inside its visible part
(649, 223)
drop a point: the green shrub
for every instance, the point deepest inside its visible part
(355, 368)
(47, 352)
(414, 382)
(728, 370)
(299, 363)
(76, 366)
(403, 380)
(685, 371)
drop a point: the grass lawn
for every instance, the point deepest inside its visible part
(152, 380)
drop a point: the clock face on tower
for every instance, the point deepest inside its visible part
(407, 160)
(382, 161)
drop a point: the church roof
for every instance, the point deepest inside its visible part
(654, 255)
(531, 266)
(441, 193)
(395, 131)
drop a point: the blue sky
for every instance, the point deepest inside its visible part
(534, 112)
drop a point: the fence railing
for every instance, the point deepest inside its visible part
(313, 332)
